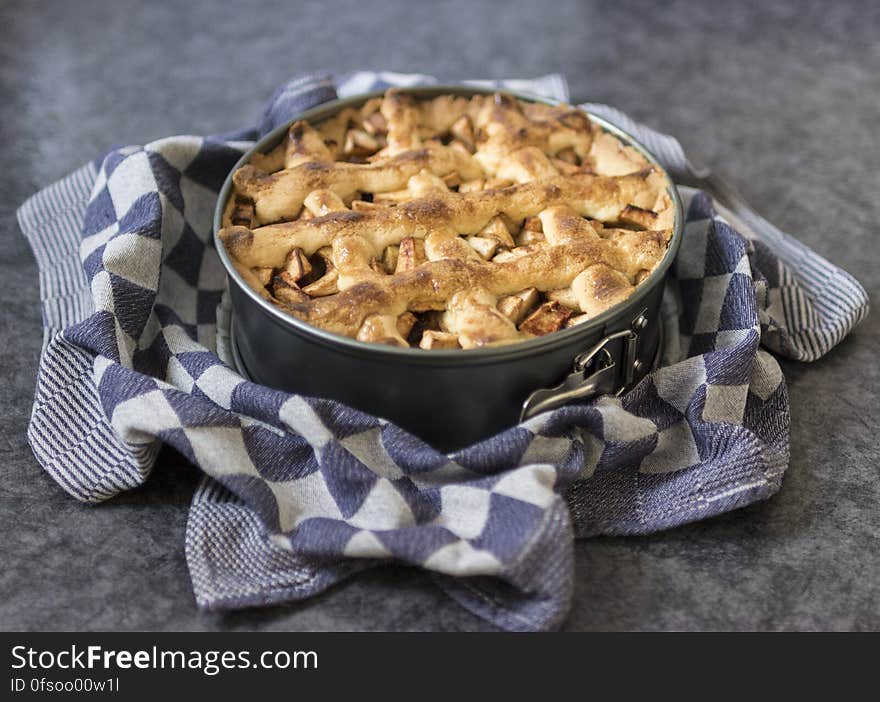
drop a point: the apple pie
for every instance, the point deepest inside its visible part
(446, 223)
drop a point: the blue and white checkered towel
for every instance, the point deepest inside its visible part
(301, 492)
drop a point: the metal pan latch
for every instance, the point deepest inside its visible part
(595, 373)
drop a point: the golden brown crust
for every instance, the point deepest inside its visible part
(502, 219)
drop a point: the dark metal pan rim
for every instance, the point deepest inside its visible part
(415, 355)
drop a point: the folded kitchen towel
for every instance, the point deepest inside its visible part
(301, 492)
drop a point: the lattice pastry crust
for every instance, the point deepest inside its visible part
(448, 223)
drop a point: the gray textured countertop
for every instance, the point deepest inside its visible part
(782, 98)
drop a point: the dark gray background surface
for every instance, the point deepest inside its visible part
(781, 97)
